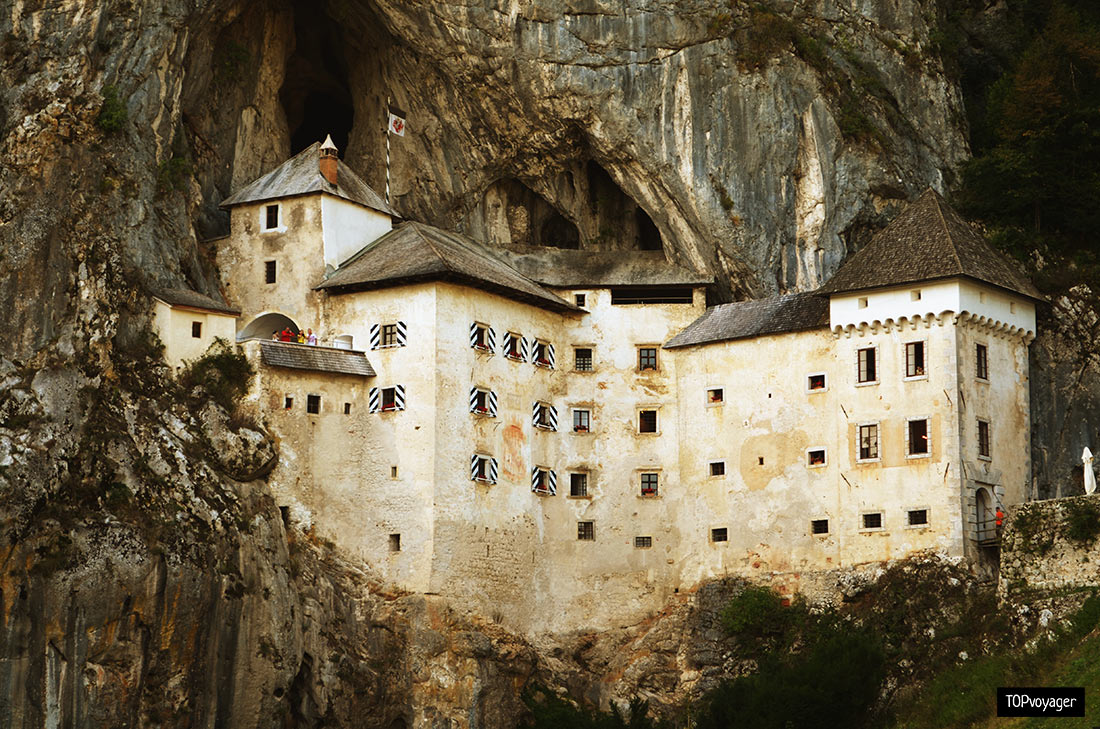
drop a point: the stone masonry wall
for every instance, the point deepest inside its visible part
(1051, 546)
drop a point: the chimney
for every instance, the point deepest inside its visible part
(329, 160)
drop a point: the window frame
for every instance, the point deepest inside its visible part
(717, 462)
(656, 420)
(923, 369)
(709, 395)
(585, 491)
(986, 453)
(878, 442)
(813, 527)
(714, 533)
(591, 358)
(546, 484)
(387, 336)
(482, 468)
(265, 216)
(196, 330)
(872, 512)
(909, 510)
(927, 437)
(516, 340)
(654, 477)
(580, 300)
(544, 416)
(573, 419)
(824, 457)
(656, 362)
(392, 390)
(271, 271)
(311, 400)
(586, 531)
(643, 542)
(481, 332)
(981, 362)
(481, 402)
(873, 349)
(824, 383)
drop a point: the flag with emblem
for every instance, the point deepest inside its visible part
(397, 122)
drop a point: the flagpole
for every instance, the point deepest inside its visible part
(386, 117)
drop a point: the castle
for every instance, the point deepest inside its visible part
(563, 438)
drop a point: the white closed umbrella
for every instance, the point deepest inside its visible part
(1090, 477)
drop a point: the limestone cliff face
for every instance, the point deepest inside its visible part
(139, 583)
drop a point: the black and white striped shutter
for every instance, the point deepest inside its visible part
(553, 413)
(492, 403)
(526, 350)
(492, 470)
(374, 402)
(375, 336)
(473, 466)
(535, 479)
(473, 399)
(399, 397)
(490, 339)
(550, 354)
(508, 339)
(552, 482)
(473, 334)
(535, 414)
(402, 334)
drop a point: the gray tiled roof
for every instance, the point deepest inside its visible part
(193, 299)
(928, 240)
(316, 358)
(414, 252)
(301, 175)
(569, 268)
(788, 313)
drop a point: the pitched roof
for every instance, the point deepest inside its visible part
(928, 240)
(301, 175)
(315, 358)
(194, 300)
(414, 252)
(778, 315)
(567, 268)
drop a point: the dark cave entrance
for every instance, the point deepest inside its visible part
(316, 95)
(649, 237)
(557, 232)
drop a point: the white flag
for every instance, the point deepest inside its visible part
(397, 122)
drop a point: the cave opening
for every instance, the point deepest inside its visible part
(649, 237)
(557, 232)
(316, 94)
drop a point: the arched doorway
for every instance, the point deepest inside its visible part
(986, 516)
(262, 326)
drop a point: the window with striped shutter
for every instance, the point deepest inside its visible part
(483, 468)
(515, 347)
(542, 354)
(544, 415)
(483, 338)
(386, 399)
(385, 336)
(544, 481)
(483, 402)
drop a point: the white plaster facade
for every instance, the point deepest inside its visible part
(188, 331)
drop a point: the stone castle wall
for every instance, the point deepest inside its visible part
(1051, 546)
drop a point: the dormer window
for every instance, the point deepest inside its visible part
(269, 219)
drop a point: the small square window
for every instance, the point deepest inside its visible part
(918, 517)
(716, 396)
(720, 534)
(815, 383)
(918, 437)
(649, 484)
(395, 542)
(313, 404)
(1012, 307)
(717, 468)
(578, 484)
(983, 439)
(196, 329)
(393, 471)
(271, 217)
(543, 482)
(982, 361)
(579, 299)
(483, 470)
(815, 457)
(643, 542)
(544, 417)
(269, 272)
(914, 295)
(389, 335)
(863, 302)
(480, 404)
(288, 402)
(480, 338)
(647, 421)
(760, 460)
(819, 526)
(867, 370)
(582, 421)
(914, 359)
(513, 346)
(389, 398)
(868, 442)
(347, 408)
(542, 354)
(872, 520)
(647, 359)
(582, 359)
(586, 531)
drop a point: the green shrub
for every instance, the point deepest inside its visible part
(223, 373)
(551, 712)
(112, 114)
(757, 611)
(1082, 524)
(1087, 617)
(767, 35)
(173, 174)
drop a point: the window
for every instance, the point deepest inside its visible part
(720, 534)
(914, 359)
(649, 484)
(393, 471)
(760, 460)
(625, 295)
(582, 359)
(647, 358)
(717, 468)
(544, 355)
(515, 347)
(343, 341)
(347, 408)
(647, 421)
(483, 468)
(716, 396)
(914, 295)
(862, 302)
(544, 481)
(313, 404)
(196, 329)
(868, 442)
(578, 484)
(269, 272)
(383, 336)
(578, 299)
(815, 457)
(586, 531)
(815, 382)
(918, 517)
(288, 402)
(482, 337)
(983, 439)
(819, 526)
(582, 421)
(867, 371)
(387, 399)
(483, 402)
(872, 520)
(544, 416)
(395, 542)
(917, 436)
(271, 217)
(982, 362)
(643, 542)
